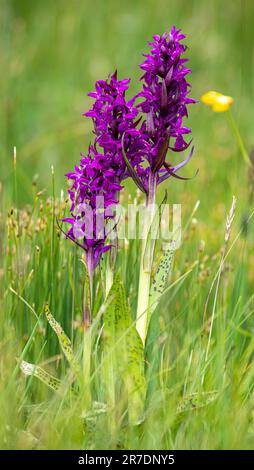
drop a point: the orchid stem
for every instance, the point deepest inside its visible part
(146, 263)
(108, 279)
(87, 335)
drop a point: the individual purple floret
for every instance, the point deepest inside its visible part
(165, 92)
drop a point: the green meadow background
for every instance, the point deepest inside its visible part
(51, 53)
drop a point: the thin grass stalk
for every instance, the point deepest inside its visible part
(17, 237)
(239, 140)
(52, 244)
(229, 223)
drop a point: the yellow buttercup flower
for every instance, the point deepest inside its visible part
(217, 101)
(210, 97)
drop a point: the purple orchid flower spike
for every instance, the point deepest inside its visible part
(116, 129)
(102, 171)
(165, 99)
(92, 196)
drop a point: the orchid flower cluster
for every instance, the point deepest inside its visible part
(132, 138)
(165, 92)
(102, 171)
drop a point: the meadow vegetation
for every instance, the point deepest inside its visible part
(199, 365)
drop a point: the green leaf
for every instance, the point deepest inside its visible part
(160, 279)
(124, 353)
(31, 369)
(64, 342)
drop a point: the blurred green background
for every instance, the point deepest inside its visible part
(52, 52)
